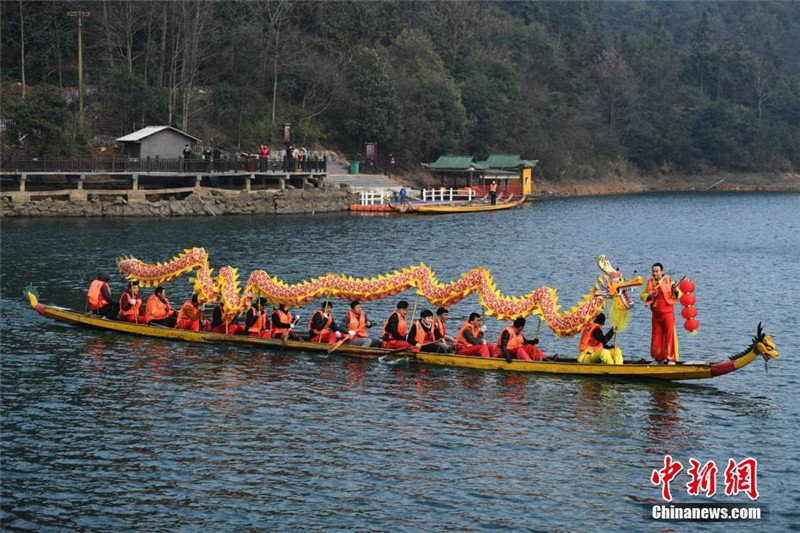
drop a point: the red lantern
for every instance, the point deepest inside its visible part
(687, 285)
(689, 312)
(692, 324)
(688, 299)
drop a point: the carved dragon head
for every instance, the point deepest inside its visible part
(764, 345)
(614, 286)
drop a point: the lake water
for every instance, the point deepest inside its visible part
(108, 432)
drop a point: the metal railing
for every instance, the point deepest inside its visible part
(67, 165)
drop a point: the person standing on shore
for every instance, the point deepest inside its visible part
(660, 295)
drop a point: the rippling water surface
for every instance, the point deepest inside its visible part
(105, 431)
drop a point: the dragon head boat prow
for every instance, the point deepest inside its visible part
(761, 345)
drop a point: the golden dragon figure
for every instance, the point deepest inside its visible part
(226, 288)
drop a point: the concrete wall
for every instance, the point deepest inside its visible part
(165, 144)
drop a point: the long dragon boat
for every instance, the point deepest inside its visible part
(542, 302)
(451, 208)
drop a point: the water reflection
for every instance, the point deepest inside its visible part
(664, 422)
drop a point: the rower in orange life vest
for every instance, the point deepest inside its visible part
(222, 322)
(594, 346)
(158, 309)
(394, 329)
(512, 344)
(190, 316)
(422, 335)
(282, 324)
(469, 340)
(357, 323)
(256, 320)
(322, 327)
(660, 295)
(99, 297)
(130, 303)
(440, 328)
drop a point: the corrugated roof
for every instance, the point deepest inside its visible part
(138, 135)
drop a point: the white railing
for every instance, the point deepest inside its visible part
(373, 197)
(441, 194)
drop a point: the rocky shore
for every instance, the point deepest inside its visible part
(201, 203)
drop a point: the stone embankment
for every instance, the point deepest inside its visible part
(201, 203)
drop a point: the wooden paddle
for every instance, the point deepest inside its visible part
(339, 344)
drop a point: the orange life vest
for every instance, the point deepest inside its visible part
(259, 325)
(156, 309)
(493, 187)
(286, 318)
(514, 339)
(439, 324)
(357, 323)
(95, 295)
(133, 310)
(189, 313)
(421, 336)
(664, 287)
(461, 340)
(401, 324)
(587, 341)
(325, 328)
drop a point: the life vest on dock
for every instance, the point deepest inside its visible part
(95, 295)
(588, 341)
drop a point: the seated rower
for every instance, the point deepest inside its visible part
(256, 320)
(158, 311)
(222, 322)
(422, 335)
(440, 328)
(357, 324)
(130, 304)
(282, 324)
(469, 340)
(322, 327)
(394, 329)
(190, 316)
(594, 346)
(512, 344)
(99, 297)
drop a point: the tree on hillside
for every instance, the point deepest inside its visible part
(432, 118)
(40, 123)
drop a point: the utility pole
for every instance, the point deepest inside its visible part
(80, 15)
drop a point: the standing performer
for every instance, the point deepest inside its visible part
(660, 295)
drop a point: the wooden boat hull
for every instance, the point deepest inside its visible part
(635, 370)
(423, 209)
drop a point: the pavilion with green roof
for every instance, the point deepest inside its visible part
(512, 173)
